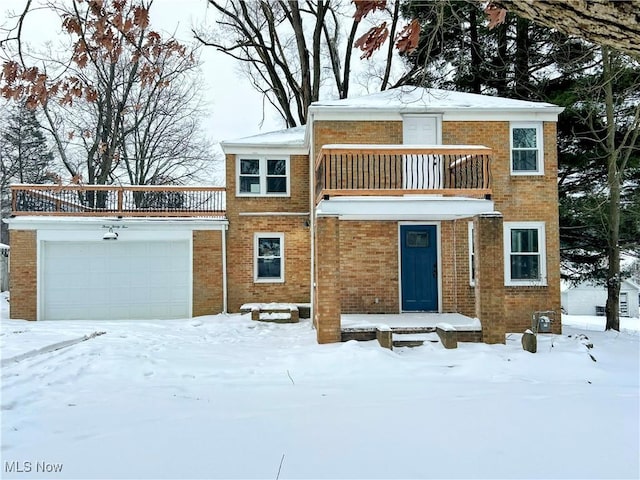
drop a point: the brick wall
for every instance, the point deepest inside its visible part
(328, 280)
(240, 239)
(364, 132)
(24, 274)
(521, 198)
(458, 296)
(207, 272)
(369, 267)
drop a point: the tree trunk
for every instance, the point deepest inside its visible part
(476, 57)
(613, 181)
(604, 22)
(522, 59)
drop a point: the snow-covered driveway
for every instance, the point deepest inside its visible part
(225, 397)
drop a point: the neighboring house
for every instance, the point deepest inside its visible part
(587, 298)
(4, 267)
(406, 200)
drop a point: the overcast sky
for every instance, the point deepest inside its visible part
(235, 108)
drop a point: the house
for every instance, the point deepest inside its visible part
(588, 298)
(4, 267)
(406, 200)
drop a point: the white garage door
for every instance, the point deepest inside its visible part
(115, 280)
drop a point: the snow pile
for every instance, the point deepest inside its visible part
(225, 397)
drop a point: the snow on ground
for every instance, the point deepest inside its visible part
(225, 397)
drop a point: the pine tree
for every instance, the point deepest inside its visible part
(24, 154)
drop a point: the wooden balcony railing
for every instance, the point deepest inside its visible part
(125, 201)
(402, 169)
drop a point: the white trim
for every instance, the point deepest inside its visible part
(542, 251)
(539, 148)
(470, 115)
(224, 272)
(256, 237)
(273, 214)
(262, 175)
(438, 260)
(44, 223)
(414, 208)
(471, 252)
(264, 150)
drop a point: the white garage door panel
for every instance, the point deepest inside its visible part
(115, 280)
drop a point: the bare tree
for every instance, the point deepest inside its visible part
(25, 156)
(290, 49)
(125, 106)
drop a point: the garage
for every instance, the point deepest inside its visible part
(108, 280)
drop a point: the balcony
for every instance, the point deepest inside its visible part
(121, 201)
(399, 170)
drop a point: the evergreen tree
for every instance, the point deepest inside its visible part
(24, 154)
(599, 148)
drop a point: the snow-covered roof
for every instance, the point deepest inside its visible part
(287, 139)
(4, 246)
(391, 105)
(409, 99)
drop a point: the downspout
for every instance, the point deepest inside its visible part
(224, 267)
(312, 220)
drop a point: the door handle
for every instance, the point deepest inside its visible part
(435, 270)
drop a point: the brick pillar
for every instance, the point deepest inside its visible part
(327, 288)
(489, 276)
(23, 276)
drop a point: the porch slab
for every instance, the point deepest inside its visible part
(402, 321)
(363, 327)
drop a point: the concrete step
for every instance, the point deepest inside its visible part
(411, 340)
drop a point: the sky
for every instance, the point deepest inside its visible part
(235, 109)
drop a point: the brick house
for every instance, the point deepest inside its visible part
(406, 200)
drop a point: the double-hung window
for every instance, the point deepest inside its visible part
(269, 257)
(525, 253)
(526, 149)
(263, 176)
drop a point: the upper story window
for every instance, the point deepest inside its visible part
(259, 175)
(525, 253)
(526, 149)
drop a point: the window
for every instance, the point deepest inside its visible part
(525, 257)
(269, 257)
(472, 266)
(263, 176)
(526, 149)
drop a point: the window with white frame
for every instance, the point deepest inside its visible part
(525, 253)
(472, 267)
(259, 175)
(526, 149)
(269, 257)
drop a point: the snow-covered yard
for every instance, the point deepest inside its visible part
(225, 397)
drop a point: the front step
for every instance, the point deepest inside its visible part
(412, 340)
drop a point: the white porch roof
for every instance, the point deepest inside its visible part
(403, 208)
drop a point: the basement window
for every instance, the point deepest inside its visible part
(269, 258)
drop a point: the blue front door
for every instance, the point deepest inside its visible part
(419, 267)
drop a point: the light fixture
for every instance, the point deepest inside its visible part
(110, 235)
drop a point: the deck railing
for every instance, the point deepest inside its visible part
(110, 200)
(402, 169)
